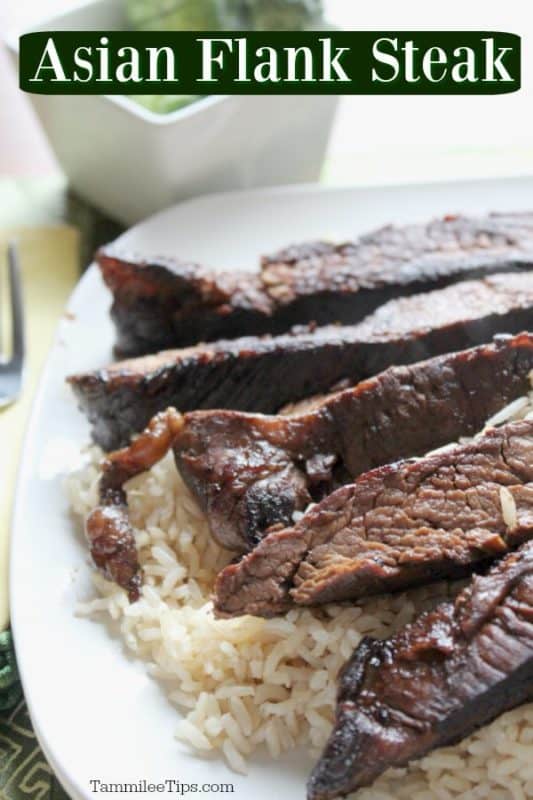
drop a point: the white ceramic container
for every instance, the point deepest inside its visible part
(131, 162)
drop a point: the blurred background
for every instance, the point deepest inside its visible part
(374, 139)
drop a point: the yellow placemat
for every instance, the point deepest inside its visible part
(49, 258)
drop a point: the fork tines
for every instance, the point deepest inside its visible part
(12, 364)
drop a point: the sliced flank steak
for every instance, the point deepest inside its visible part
(251, 471)
(264, 374)
(397, 526)
(108, 529)
(164, 302)
(343, 547)
(439, 679)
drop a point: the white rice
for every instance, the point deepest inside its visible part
(247, 683)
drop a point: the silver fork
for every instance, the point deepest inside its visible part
(12, 366)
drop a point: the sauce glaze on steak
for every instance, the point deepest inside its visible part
(451, 671)
(249, 472)
(397, 526)
(264, 374)
(164, 302)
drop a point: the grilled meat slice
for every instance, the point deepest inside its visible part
(263, 374)
(451, 671)
(396, 526)
(162, 302)
(108, 529)
(249, 472)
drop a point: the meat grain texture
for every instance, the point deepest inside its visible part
(264, 374)
(395, 527)
(249, 472)
(164, 302)
(245, 485)
(441, 677)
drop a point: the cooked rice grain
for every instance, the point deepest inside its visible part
(248, 682)
(508, 505)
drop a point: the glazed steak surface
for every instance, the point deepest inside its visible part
(397, 526)
(451, 671)
(163, 302)
(264, 374)
(249, 472)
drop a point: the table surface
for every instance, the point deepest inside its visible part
(24, 771)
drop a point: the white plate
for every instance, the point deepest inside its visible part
(96, 712)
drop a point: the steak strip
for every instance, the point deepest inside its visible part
(108, 529)
(263, 374)
(451, 671)
(433, 401)
(248, 472)
(397, 526)
(164, 302)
